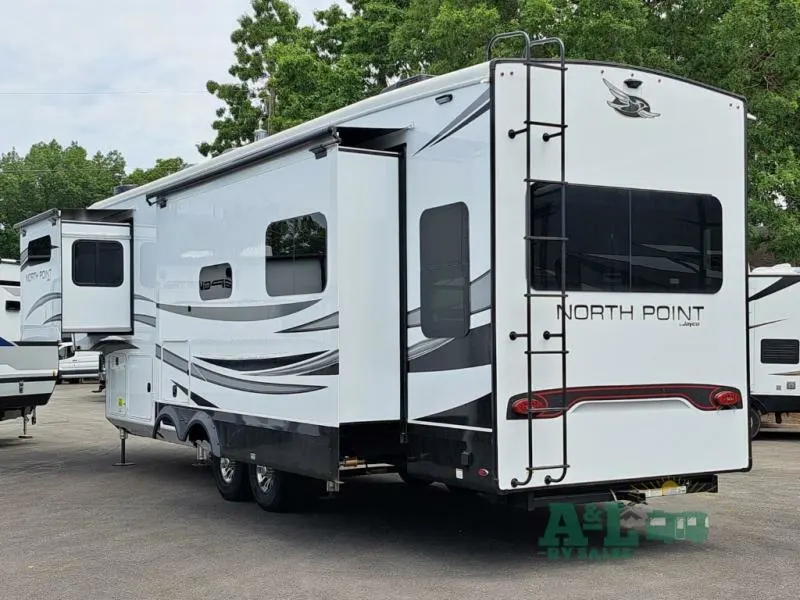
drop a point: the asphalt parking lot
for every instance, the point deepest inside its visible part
(75, 526)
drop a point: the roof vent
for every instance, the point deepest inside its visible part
(259, 134)
(407, 81)
(124, 188)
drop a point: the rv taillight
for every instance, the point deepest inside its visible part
(726, 398)
(521, 406)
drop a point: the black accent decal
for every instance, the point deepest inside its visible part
(258, 364)
(327, 322)
(628, 105)
(329, 370)
(9, 283)
(196, 398)
(303, 448)
(37, 343)
(477, 413)
(781, 284)
(238, 313)
(473, 350)
(479, 106)
(766, 323)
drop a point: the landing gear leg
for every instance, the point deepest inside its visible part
(123, 435)
(25, 435)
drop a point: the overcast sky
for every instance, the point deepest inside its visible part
(117, 75)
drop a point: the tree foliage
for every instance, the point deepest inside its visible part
(162, 168)
(285, 73)
(54, 176)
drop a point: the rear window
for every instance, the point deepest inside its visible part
(623, 240)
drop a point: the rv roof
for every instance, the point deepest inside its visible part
(421, 89)
(781, 268)
(426, 87)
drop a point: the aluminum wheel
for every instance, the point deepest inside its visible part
(265, 478)
(227, 469)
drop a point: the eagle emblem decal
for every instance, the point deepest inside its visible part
(627, 105)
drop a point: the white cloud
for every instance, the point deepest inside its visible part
(167, 49)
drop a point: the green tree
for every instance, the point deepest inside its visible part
(287, 74)
(162, 168)
(51, 176)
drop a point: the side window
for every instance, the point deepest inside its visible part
(296, 255)
(444, 271)
(780, 352)
(216, 282)
(97, 263)
(626, 240)
(12, 305)
(39, 250)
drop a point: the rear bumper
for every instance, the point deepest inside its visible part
(632, 491)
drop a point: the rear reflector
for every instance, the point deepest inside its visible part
(726, 398)
(521, 406)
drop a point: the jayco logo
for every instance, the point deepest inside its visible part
(628, 105)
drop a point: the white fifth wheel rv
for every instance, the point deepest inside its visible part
(28, 368)
(774, 341)
(525, 278)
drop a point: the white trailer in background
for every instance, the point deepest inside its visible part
(28, 367)
(774, 300)
(525, 278)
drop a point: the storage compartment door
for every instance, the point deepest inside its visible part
(96, 278)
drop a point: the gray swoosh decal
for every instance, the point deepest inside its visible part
(426, 347)
(326, 360)
(52, 319)
(14, 291)
(144, 298)
(173, 360)
(480, 298)
(327, 322)
(146, 319)
(238, 313)
(258, 387)
(44, 300)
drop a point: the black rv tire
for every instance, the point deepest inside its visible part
(755, 422)
(231, 478)
(278, 491)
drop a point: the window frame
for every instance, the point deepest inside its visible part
(228, 275)
(438, 331)
(283, 258)
(531, 256)
(97, 243)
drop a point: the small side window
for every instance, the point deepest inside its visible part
(97, 263)
(296, 255)
(216, 282)
(780, 352)
(39, 250)
(12, 305)
(444, 271)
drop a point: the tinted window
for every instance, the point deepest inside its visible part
(39, 250)
(780, 352)
(296, 255)
(98, 263)
(216, 282)
(627, 240)
(444, 271)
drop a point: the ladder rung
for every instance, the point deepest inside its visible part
(548, 335)
(546, 238)
(545, 295)
(533, 63)
(546, 124)
(556, 183)
(547, 468)
(532, 352)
